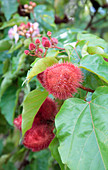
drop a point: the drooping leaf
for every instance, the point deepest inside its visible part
(8, 103)
(31, 106)
(95, 64)
(41, 65)
(82, 130)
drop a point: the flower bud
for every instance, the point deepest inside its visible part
(46, 44)
(26, 52)
(33, 4)
(26, 6)
(32, 46)
(37, 41)
(54, 41)
(49, 33)
(39, 51)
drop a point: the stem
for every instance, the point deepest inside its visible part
(91, 20)
(77, 53)
(59, 48)
(87, 89)
(25, 161)
(45, 52)
(34, 15)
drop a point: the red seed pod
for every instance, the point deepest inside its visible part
(38, 137)
(18, 121)
(46, 44)
(62, 80)
(37, 41)
(32, 46)
(40, 77)
(26, 52)
(48, 110)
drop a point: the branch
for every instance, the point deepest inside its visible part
(87, 89)
(91, 20)
(25, 161)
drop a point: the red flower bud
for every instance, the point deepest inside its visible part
(54, 41)
(46, 44)
(39, 51)
(26, 52)
(32, 46)
(18, 121)
(33, 4)
(28, 24)
(37, 41)
(62, 80)
(49, 33)
(30, 2)
(44, 38)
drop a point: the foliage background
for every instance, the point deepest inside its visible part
(69, 21)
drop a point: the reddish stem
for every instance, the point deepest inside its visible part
(45, 52)
(87, 89)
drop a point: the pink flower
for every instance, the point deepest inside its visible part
(40, 50)
(49, 33)
(13, 33)
(54, 41)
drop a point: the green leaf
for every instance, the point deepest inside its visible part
(16, 46)
(5, 44)
(9, 7)
(92, 39)
(16, 20)
(54, 151)
(82, 130)
(44, 17)
(31, 106)
(95, 64)
(40, 66)
(8, 103)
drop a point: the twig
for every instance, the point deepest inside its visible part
(25, 161)
(34, 15)
(45, 52)
(87, 89)
(91, 19)
(59, 48)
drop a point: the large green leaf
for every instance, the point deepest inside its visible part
(16, 46)
(31, 106)
(9, 7)
(96, 64)
(54, 151)
(93, 40)
(82, 130)
(41, 65)
(8, 103)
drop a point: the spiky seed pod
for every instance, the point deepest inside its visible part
(48, 110)
(18, 121)
(40, 77)
(38, 137)
(62, 80)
